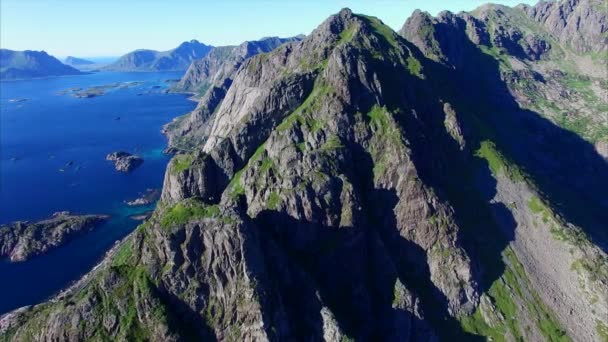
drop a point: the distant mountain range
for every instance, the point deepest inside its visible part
(31, 64)
(85, 64)
(177, 59)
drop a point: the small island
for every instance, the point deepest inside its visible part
(124, 162)
(22, 240)
(95, 91)
(148, 197)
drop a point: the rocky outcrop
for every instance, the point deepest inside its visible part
(22, 240)
(148, 197)
(124, 162)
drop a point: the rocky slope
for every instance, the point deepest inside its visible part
(20, 241)
(552, 92)
(177, 59)
(31, 64)
(360, 185)
(209, 79)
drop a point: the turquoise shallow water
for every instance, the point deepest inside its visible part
(52, 158)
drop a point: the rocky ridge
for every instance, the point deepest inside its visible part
(22, 240)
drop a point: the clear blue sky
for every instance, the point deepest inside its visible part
(87, 28)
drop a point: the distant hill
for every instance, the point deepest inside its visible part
(85, 64)
(31, 64)
(75, 61)
(151, 60)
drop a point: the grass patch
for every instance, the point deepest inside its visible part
(602, 330)
(302, 113)
(235, 184)
(379, 118)
(333, 143)
(503, 292)
(123, 254)
(414, 66)
(584, 127)
(348, 34)
(498, 162)
(182, 162)
(301, 146)
(273, 201)
(382, 31)
(185, 211)
(267, 164)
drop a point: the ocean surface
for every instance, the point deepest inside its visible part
(52, 158)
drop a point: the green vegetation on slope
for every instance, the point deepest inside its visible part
(498, 162)
(512, 295)
(185, 211)
(181, 163)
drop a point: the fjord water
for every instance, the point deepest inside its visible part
(52, 158)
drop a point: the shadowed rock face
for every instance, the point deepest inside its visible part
(20, 241)
(548, 96)
(358, 185)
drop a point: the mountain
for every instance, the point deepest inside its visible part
(222, 62)
(74, 61)
(31, 64)
(367, 185)
(210, 78)
(177, 59)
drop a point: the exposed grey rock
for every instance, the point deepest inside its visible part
(210, 79)
(356, 185)
(148, 197)
(22, 240)
(580, 24)
(124, 162)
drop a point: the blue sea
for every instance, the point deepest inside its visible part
(52, 158)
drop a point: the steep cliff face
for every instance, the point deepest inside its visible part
(210, 78)
(356, 185)
(579, 24)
